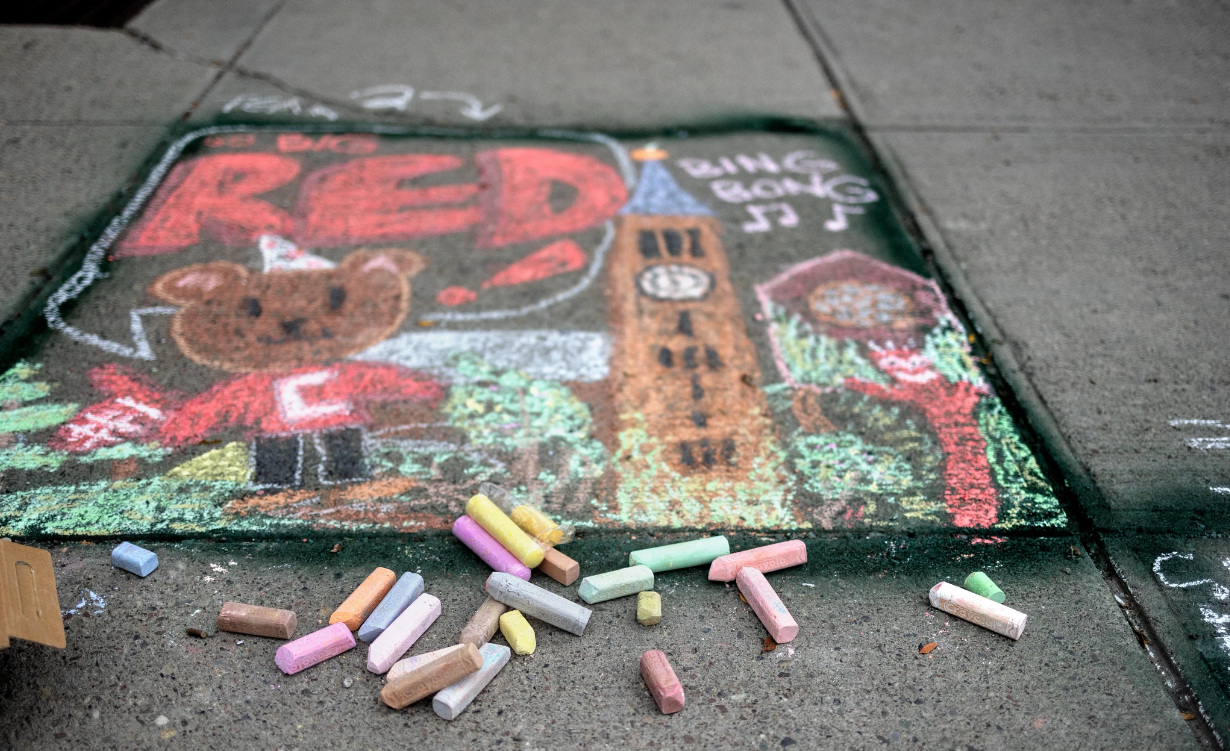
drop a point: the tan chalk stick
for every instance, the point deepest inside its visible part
(364, 599)
(483, 624)
(559, 567)
(431, 677)
(29, 605)
(256, 620)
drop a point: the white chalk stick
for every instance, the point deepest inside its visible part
(452, 701)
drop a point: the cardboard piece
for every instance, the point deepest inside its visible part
(29, 605)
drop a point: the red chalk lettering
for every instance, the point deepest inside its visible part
(354, 143)
(518, 208)
(557, 258)
(363, 201)
(216, 193)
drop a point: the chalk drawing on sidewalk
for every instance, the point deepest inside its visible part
(1219, 621)
(302, 328)
(399, 97)
(1206, 443)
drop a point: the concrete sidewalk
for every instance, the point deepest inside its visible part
(1064, 166)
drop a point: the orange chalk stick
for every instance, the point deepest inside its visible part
(364, 599)
(765, 558)
(659, 676)
(768, 606)
(559, 567)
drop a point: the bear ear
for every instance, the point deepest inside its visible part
(397, 261)
(198, 282)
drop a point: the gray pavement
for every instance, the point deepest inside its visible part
(854, 677)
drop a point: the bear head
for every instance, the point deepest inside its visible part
(245, 321)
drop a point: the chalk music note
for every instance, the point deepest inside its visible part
(838, 222)
(760, 214)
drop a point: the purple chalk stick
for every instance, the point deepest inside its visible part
(318, 646)
(488, 548)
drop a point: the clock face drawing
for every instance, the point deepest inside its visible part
(674, 282)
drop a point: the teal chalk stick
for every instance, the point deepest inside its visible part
(681, 554)
(981, 584)
(612, 584)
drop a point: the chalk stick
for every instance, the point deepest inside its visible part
(134, 559)
(483, 624)
(649, 608)
(981, 584)
(764, 559)
(504, 530)
(405, 591)
(405, 665)
(433, 676)
(518, 632)
(559, 567)
(402, 633)
(663, 685)
(768, 606)
(978, 610)
(488, 548)
(538, 602)
(619, 583)
(316, 647)
(239, 618)
(531, 519)
(454, 699)
(680, 554)
(361, 602)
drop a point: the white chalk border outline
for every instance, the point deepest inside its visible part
(91, 266)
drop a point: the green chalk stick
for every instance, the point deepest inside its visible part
(981, 584)
(612, 584)
(681, 554)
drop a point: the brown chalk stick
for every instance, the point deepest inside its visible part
(430, 678)
(559, 567)
(483, 624)
(364, 599)
(239, 618)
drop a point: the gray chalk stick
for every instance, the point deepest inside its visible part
(135, 559)
(404, 592)
(452, 701)
(538, 602)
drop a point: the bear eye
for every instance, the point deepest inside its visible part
(337, 296)
(254, 307)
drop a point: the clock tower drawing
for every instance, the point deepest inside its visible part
(697, 445)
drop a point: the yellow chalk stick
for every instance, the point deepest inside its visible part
(537, 525)
(504, 530)
(518, 632)
(648, 608)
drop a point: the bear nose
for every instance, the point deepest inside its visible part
(292, 327)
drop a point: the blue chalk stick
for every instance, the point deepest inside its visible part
(136, 559)
(404, 592)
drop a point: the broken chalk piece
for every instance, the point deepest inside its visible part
(401, 667)
(768, 606)
(518, 632)
(453, 700)
(978, 610)
(680, 554)
(504, 530)
(239, 618)
(619, 583)
(316, 647)
(405, 591)
(483, 624)
(981, 584)
(402, 633)
(659, 676)
(361, 602)
(134, 559)
(649, 608)
(764, 559)
(533, 600)
(528, 517)
(488, 548)
(432, 676)
(29, 605)
(559, 567)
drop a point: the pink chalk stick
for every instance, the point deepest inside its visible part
(765, 558)
(318, 646)
(768, 606)
(488, 548)
(402, 633)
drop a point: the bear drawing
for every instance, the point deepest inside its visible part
(284, 334)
